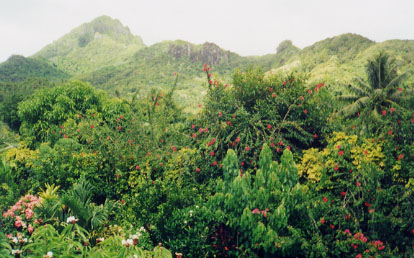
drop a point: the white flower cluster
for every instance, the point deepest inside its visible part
(127, 242)
(49, 254)
(71, 219)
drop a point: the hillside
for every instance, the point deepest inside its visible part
(19, 68)
(92, 45)
(105, 53)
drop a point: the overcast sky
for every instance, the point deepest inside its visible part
(247, 27)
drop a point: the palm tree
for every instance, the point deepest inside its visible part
(380, 92)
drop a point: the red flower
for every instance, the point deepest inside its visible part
(271, 89)
(392, 110)
(400, 89)
(123, 201)
(119, 128)
(269, 127)
(367, 204)
(389, 132)
(332, 226)
(358, 256)
(247, 148)
(137, 167)
(288, 147)
(212, 153)
(91, 126)
(325, 199)
(343, 193)
(358, 184)
(272, 145)
(205, 130)
(305, 111)
(199, 105)
(274, 95)
(200, 130)
(301, 98)
(234, 116)
(341, 153)
(278, 149)
(365, 152)
(284, 83)
(215, 163)
(192, 126)
(371, 210)
(338, 147)
(322, 221)
(175, 74)
(238, 139)
(315, 136)
(400, 156)
(384, 112)
(117, 176)
(336, 167)
(310, 91)
(220, 114)
(198, 169)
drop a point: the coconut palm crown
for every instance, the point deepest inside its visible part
(378, 94)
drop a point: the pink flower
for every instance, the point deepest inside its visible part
(341, 153)
(274, 95)
(256, 211)
(302, 98)
(192, 126)
(247, 148)
(325, 199)
(18, 223)
(358, 184)
(30, 229)
(269, 127)
(322, 221)
(315, 136)
(284, 83)
(392, 109)
(310, 91)
(384, 112)
(305, 111)
(198, 169)
(200, 130)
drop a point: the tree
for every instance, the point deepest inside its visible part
(372, 98)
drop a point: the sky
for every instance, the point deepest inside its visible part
(247, 27)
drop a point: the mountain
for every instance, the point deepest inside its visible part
(92, 45)
(19, 68)
(105, 53)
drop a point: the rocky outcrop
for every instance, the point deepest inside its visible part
(208, 53)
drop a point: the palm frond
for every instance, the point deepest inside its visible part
(396, 80)
(355, 107)
(348, 98)
(363, 85)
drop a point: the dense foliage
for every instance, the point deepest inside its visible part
(268, 165)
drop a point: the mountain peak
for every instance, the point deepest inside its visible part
(91, 45)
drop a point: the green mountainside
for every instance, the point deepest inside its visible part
(19, 68)
(92, 45)
(105, 53)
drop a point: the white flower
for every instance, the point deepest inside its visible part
(101, 239)
(136, 236)
(15, 251)
(71, 219)
(191, 213)
(127, 242)
(135, 256)
(15, 240)
(24, 240)
(197, 206)
(49, 254)
(185, 222)
(142, 229)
